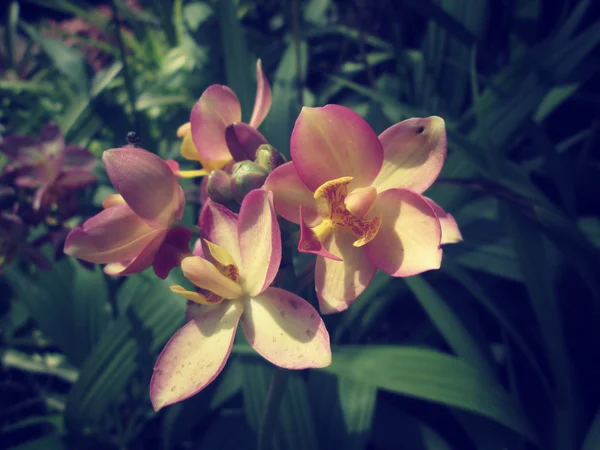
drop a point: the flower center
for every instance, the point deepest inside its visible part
(348, 211)
(230, 271)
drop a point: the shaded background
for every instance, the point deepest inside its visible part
(497, 350)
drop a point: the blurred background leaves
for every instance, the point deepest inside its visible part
(497, 350)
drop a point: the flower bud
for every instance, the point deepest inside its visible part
(268, 157)
(246, 176)
(218, 188)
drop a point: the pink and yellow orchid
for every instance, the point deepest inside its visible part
(215, 135)
(358, 199)
(134, 230)
(241, 256)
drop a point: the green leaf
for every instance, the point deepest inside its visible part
(479, 293)
(91, 307)
(430, 375)
(69, 61)
(592, 438)
(534, 258)
(238, 66)
(295, 428)
(51, 442)
(127, 349)
(343, 409)
(10, 34)
(451, 327)
(50, 299)
(280, 121)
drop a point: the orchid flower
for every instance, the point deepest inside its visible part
(240, 258)
(358, 198)
(47, 164)
(215, 135)
(134, 230)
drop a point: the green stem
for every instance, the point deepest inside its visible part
(126, 73)
(268, 422)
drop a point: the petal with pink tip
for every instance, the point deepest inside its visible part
(206, 276)
(286, 330)
(243, 141)
(415, 151)
(174, 247)
(220, 226)
(262, 101)
(23, 149)
(141, 262)
(217, 108)
(78, 158)
(408, 241)
(146, 183)
(289, 193)
(260, 241)
(76, 178)
(195, 355)
(338, 283)
(334, 142)
(114, 235)
(450, 232)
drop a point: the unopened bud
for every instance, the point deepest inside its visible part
(218, 188)
(246, 176)
(268, 157)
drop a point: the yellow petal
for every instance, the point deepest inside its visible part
(195, 296)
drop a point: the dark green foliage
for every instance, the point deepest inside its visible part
(497, 350)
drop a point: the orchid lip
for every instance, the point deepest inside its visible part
(335, 192)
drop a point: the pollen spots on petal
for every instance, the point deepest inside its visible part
(364, 228)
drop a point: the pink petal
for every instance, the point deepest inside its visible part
(206, 276)
(146, 183)
(173, 249)
(408, 241)
(243, 141)
(415, 150)
(289, 193)
(334, 142)
(140, 262)
(195, 355)
(217, 108)
(23, 149)
(338, 283)
(450, 232)
(310, 243)
(220, 226)
(114, 235)
(78, 158)
(76, 178)
(260, 241)
(286, 330)
(262, 102)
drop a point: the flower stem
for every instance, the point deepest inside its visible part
(268, 422)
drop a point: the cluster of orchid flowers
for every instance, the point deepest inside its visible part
(356, 196)
(38, 186)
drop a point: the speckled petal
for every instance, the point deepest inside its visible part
(195, 355)
(286, 330)
(338, 283)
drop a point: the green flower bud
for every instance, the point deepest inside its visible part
(268, 157)
(218, 186)
(246, 176)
